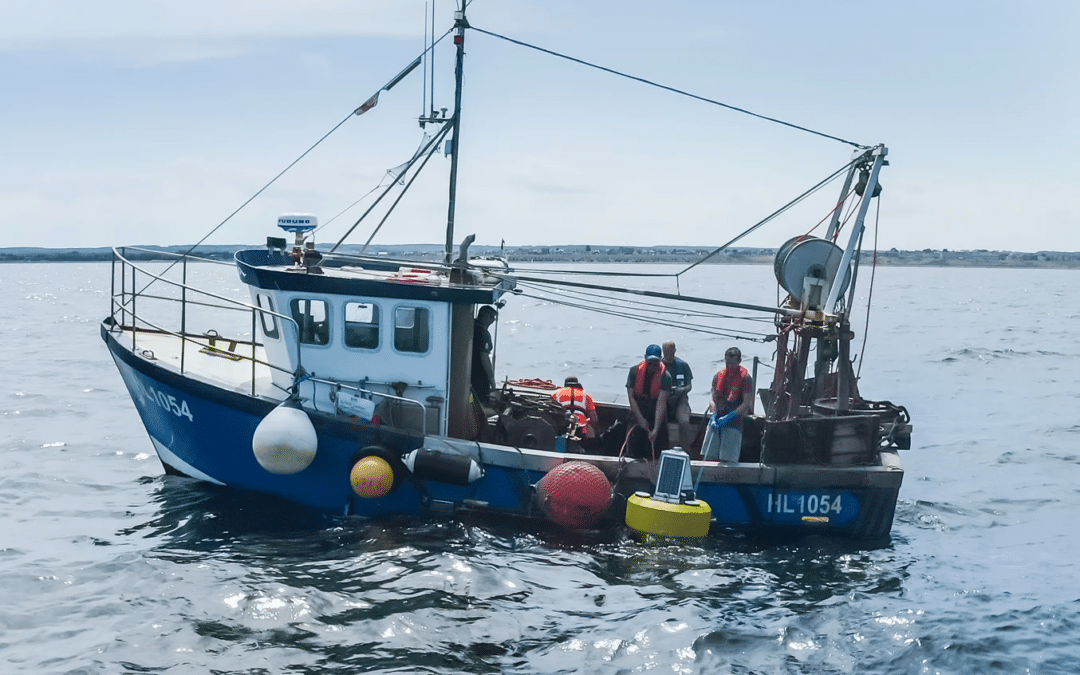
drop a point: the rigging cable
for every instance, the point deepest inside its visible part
(651, 294)
(597, 273)
(774, 214)
(728, 333)
(357, 111)
(870, 291)
(217, 227)
(671, 89)
(853, 208)
(423, 88)
(434, 143)
(396, 178)
(349, 207)
(839, 204)
(653, 308)
(364, 107)
(426, 152)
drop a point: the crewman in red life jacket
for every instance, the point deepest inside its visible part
(647, 387)
(732, 400)
(574, 398)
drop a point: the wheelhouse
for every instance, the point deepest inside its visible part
(386, 343)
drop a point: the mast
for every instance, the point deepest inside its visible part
(460, 24)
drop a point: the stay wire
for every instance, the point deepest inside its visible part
(273, 180)
(693, 327)
(645, 293)
(596, 273)
(708, 330)
(870, 290)
(839, 205)
(774, 214)
(426, 153)
(635, 311)
(416, 174)
(671, 89)
(650, 306)
(250, 199)
(852, 209)
(349, 207)
(634, 305)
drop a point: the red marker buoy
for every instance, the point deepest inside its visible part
(575, 495)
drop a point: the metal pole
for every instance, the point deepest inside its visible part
(134, 318)
(112, 287)
(856, 231)
(183, 314)
(253, 313)
(834, 222)
(754, 376)
(460, 24)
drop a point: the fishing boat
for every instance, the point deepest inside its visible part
(344, 383)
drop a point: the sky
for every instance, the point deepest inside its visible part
(134, 122)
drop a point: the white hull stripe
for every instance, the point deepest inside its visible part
(180, 465)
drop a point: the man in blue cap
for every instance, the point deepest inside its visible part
(647, 387)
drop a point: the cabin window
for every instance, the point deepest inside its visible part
(313, 321)
(361, 325)
(412, 329)
(268, 321)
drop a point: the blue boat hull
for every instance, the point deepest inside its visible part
(205, 432)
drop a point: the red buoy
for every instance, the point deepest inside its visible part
(575, 495)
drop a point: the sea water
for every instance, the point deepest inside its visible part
(107, 566)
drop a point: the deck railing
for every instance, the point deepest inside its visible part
(128, 311)
(138, 285)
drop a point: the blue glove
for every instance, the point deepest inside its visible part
(721, 422)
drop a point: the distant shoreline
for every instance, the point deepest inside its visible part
(586, 254)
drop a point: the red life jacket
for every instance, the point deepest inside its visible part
(730, 388)
(654, 385)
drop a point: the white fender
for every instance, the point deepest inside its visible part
(285, 441)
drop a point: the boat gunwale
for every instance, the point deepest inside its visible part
(788, 476)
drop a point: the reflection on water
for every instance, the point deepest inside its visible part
(457, 597)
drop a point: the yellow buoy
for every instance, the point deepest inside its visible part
(371, 477)
(666, 519)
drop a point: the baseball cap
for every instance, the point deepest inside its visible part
(653, 352)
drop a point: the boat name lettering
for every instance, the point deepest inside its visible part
(810, 504)
(168, 402)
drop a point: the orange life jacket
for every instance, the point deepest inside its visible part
(730, 388)
(576, 401)
(654, 385)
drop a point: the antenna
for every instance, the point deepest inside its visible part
(423, 107)
(432, 58)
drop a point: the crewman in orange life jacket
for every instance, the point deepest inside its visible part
(574, 398)
(732, 400)
(647, 387)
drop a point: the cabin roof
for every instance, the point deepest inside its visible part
(273, 270)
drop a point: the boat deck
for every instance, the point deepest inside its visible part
(224, 362)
